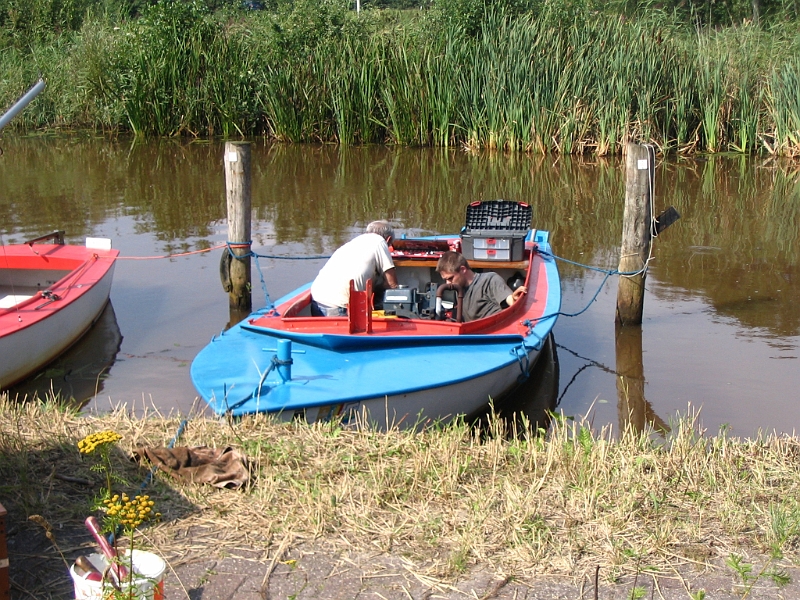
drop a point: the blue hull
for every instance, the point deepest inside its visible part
(394, 379)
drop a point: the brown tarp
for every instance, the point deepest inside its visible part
(224, 467)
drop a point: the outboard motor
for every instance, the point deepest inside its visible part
(401, 299)
(405, 301)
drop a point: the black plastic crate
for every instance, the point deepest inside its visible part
(504, 215)
(496, 230)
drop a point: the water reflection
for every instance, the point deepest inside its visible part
(531, 406)
(721, 324)
(634, 409)
(80, 372)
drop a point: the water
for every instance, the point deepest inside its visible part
(720, 331)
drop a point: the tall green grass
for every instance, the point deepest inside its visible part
(522, 83)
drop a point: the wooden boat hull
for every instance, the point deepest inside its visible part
(396, 372)
(68, 288)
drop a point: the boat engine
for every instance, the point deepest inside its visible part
(404, 301)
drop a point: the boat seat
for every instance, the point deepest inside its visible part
(12, 300)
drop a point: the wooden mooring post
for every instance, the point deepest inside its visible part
(636, 233)
(638, 230)
(237, 192)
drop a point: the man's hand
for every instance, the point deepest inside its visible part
(516, 295)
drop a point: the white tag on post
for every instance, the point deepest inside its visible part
(641, 164)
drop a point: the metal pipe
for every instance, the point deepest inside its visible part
(21, 103)
(459, 298)
(284, 354)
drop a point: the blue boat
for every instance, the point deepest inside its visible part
(401, 366)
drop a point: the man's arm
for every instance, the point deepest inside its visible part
(391, 277)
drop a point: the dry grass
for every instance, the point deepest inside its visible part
(560, 503)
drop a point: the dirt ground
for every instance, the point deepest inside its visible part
(305, 570)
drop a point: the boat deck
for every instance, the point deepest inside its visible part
(10, 296)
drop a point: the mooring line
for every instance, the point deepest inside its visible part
(608, 273)
(149, 477)
(179, 254)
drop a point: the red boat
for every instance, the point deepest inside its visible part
(51, 293)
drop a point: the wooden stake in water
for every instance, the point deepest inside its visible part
(636, 233)
(237, 190)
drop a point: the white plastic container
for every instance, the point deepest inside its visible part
(147, 583)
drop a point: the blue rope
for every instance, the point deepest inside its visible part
(590, 267)
(274, 362)
(608, 273)
(290, 257)
(149, 477)
(229, 246)
(268, 302)
(271, 256)
(171, 445)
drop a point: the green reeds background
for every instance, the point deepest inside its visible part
(320, 73)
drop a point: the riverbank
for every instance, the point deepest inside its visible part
(574, 82)
(437, 509)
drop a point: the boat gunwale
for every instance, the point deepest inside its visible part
(89, 263)
(307, 329)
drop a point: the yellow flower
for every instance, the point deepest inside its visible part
(129, 512)
(93, 441)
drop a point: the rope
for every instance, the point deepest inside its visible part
(608, 273)
(273, 257)
(149, 477)
(176, 255)
(231, 245)
(522, 360)
(274, 362)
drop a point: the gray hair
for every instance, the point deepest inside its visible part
(382, 228)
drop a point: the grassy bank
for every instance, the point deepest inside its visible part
(562, 502)
(582, 82)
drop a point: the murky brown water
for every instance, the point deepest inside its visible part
(721, 328)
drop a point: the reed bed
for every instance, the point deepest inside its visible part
(561, 501)
(524, 83)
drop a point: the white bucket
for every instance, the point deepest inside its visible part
(147, 583)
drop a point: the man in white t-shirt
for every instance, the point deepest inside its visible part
(364, 258)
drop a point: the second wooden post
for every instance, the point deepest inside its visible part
(636, 234)
(237, 191)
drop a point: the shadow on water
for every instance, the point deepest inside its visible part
(79, 373)
(530, 405)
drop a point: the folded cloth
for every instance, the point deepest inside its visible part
(201, 464)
